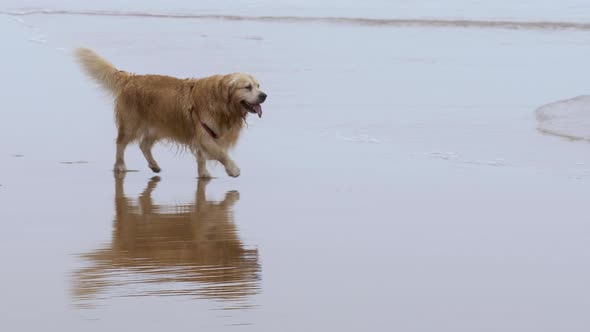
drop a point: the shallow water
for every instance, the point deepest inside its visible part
(397, 179)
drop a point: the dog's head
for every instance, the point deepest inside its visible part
(244, 90)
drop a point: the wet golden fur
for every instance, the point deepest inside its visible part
(206, 115)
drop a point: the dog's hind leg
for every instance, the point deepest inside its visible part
(122, 140)
(146, 144)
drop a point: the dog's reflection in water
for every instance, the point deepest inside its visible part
(181, 250)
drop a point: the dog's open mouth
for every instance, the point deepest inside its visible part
(253, 108)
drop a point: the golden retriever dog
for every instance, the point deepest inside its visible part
(206, 115)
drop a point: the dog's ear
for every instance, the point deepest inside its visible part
(229, 84)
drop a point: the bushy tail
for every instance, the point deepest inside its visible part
(101, 70)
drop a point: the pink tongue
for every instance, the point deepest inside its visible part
(258, 110)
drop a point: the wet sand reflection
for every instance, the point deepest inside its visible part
(170, 250)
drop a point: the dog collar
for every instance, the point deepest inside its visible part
(209, 130)
(205, 126)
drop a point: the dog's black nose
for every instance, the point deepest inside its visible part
(262, 97)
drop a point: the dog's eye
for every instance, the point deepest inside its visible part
(249, 87)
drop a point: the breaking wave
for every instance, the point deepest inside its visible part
(566, 118)
(452, 23)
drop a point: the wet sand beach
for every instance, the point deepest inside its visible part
(411, 176)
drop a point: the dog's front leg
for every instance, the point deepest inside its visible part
(214, 151)
(202, 165)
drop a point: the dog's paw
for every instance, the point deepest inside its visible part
(120, 168)
(232, 170)
(205, 175)
(232, 196)
(155, 168)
